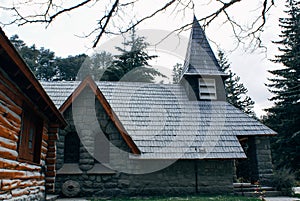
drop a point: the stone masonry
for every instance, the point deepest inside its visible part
(264, 159)
(119, 175)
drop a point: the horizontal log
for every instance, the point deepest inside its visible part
(15, 165)
(45, 136)
(34, 190)
(50, 161)
(9, 125)
(50, 167)
(20, 192)
(5, 196)
(50, 179)
(42, 188)
(53, 137)
(8, 153)
(51, 142)
(50, 174)
(44, 150)
(35, 184)
(4, 110)
(8, 184)
(9, 144)
(27, 183)
(50, 188)
(51, 154)
(43, 156)
(52, 148)
(33, 175)
(44, 144)
(9, 134)
(12, 174)
(10, 103)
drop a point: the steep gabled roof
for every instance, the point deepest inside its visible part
(200, 59)
(18, 71)
(65, 94)
(163, 124)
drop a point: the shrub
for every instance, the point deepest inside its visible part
(283, 180)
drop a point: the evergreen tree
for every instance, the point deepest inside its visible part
(235, 91)
(132, 64)
(95, 65)
(284, 116)
(40, 61)
(176, 73)
(68, 67)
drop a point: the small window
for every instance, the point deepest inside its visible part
(71, 148)
(207, 89)
(30, 137)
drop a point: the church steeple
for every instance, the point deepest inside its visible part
(200, 59)
(201, 68)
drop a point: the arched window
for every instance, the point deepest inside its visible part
(71, 148)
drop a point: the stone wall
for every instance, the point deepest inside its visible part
(264, 159)
(122, 175)
(258, 165)
(213, 177)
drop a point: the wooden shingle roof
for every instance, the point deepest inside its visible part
(200, 59)
(164, 124)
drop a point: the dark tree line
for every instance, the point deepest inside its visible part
(284, 116)
(132, 64)
(45, 65)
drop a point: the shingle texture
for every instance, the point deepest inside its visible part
(164, 124)
(200, 59)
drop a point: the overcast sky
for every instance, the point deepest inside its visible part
(63, 37)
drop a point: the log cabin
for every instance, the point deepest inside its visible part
(133, 138)
(29, 123)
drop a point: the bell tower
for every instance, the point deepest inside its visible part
(202, 76)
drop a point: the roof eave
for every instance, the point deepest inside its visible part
(89, 82)
(22, 66)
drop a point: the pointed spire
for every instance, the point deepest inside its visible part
(200, 59)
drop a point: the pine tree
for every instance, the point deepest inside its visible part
(40, 61)
(284, 116)
(132, 64)
(68, 67)
(236, 91)
(176, 73)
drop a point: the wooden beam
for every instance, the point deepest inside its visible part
(89, 82)
(26, 72)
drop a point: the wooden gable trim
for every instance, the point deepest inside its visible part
(22, 67)
(89, 82)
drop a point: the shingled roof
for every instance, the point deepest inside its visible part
(200, 59)
(164, 124)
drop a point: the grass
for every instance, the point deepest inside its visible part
(189, 198)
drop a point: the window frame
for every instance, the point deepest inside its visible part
(207, 89)
(71, 140)
(30, 141)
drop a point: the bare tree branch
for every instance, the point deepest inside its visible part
(51, 18)
(105, 18)
(52, 9)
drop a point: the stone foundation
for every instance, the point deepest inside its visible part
(184, 177)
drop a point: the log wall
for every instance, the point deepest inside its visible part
(18, 179)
